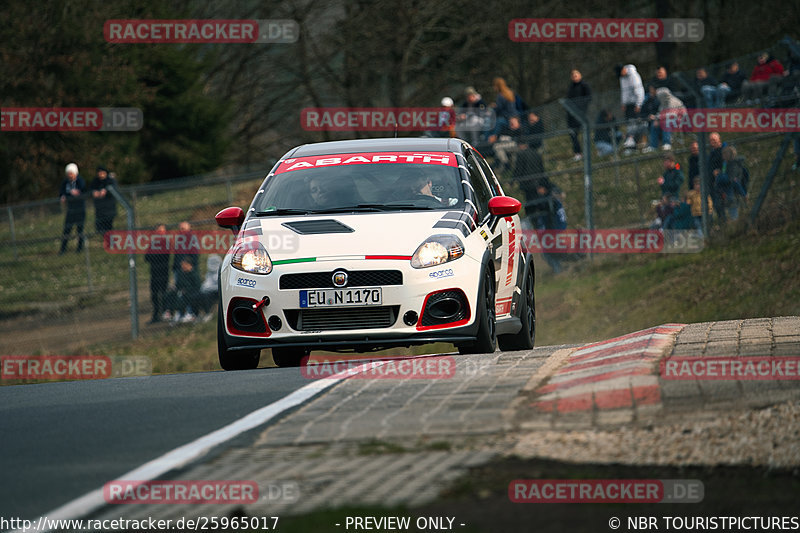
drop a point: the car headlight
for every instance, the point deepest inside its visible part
(436, 250)
(252, 257)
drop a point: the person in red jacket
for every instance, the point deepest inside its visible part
(766, 74)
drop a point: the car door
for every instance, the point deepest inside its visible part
(508, 233)
(500, 234)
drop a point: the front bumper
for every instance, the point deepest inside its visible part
(362, 332)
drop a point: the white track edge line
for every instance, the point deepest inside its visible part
(182, 455)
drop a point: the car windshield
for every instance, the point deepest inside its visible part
(365, 187)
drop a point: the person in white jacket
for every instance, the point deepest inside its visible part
(631, 97)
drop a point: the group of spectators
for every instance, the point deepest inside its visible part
(184, 297)
(727, 187)
(181, 297)
(73, 194)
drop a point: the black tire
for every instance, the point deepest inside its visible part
(486, 341)
(289, 356)
(524, 339)
(236, 359)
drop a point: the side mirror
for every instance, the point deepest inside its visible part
(231, 217)
(503, 206)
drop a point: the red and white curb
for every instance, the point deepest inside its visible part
(613, 374)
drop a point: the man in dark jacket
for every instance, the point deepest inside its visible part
(158, 257)
(580, 94)
(105, 205)
(471, 117)
(672, 179)
(732, 80)
(707, 86)
(694, 161)
(72, 194)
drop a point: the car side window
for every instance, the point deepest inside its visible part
(494, 185)
(479, 185)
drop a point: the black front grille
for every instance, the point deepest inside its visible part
(357, 278)
(342, 318)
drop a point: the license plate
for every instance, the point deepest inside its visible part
(341, 297)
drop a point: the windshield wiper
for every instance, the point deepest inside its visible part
(282, 211)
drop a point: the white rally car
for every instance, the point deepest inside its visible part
(367, 244)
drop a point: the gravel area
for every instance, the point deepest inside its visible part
(766, 437)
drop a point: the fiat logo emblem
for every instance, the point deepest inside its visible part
(339, 278)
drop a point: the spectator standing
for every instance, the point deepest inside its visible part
(209, 290)
(553, 217)
(508, 104)
(72, 193)
(471, 116)
(105, 205)
(732, 80)
(187, 292)
(729, 184)
(766, 75)
(158, 258)
(580, 94)
(631, 97)
(695, 201)
(714, 168)
(672, 178)
(694, 162)
(533, 129)
(650, 113)
(184, 249)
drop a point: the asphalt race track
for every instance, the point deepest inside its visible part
(61, 440)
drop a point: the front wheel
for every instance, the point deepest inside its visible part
(236, 359)
(524, 338)
(486, 341)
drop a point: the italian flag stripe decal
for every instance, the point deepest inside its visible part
(349, 258)
(300, 260)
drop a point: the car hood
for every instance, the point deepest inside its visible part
(329, 236)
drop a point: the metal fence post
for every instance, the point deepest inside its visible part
(134, 293)
(573, 110)
(13, 231)
(702, 159)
